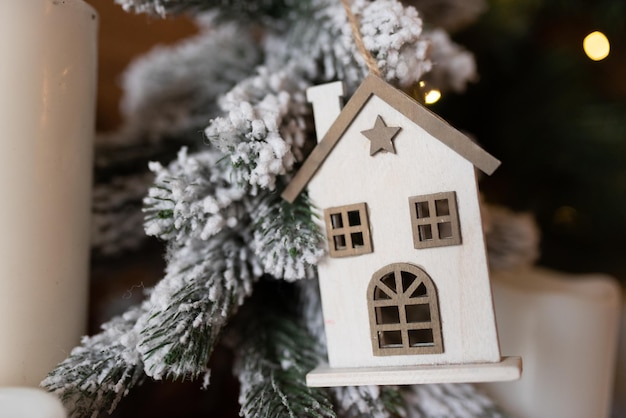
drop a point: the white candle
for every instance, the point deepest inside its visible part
(47, 100)
(29, 403)
(565, 327)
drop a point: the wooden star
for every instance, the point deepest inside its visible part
(380, 136)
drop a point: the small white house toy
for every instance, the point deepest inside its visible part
(405, 287)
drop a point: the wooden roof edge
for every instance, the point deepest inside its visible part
(434, 125)
(420, 115)
(326, 145)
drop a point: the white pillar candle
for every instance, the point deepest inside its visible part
(29, 403)
(47, 101)
(565, 327)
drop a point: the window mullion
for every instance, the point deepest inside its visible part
(388, 327)
(419, 325)
(384, 302)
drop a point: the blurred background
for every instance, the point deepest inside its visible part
(556, 117)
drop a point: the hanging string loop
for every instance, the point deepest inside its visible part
(371, 63)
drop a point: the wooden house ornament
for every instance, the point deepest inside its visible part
(405, 286)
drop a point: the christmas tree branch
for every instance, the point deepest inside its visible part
(287, 240)
(448, 400)
(101, 371)
(272, 360)
(368, 401)
(170, 94)
(264, 127)
(205, 283)
(240, 9)
(193, 198)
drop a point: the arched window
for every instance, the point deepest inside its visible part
(404, 313)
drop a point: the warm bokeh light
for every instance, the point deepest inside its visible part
(432, 96)
(596, 46)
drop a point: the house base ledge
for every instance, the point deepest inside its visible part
(509, 368)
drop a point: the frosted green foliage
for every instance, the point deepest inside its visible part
(392, 34)
(263, 129)
(322, 46)
(271, 365)
(174, 89)
(116, 222)
(100, 372)
(170, 94)
(192, 198)
(459, 400)
(286, 239)
(241, 9)
(204, 284)
(310, 306)
(368, 402)
(455, 65)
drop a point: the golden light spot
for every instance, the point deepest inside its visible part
(432, 96)
(596, 46)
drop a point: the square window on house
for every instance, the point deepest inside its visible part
(348, 230)
(441, 229)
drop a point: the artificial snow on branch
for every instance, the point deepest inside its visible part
(368, 401)
(287, 241)
(102, 370)
(170, 94)
(192, 198)
(459, 400)
(204, 285)
(248, 9)
(272, 361)
(264, 128)
(174, 89)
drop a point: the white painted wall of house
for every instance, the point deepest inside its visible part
(421, 165)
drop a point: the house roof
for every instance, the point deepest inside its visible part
(414, 111)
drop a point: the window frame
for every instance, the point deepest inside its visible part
(431, 224)
(347, 231)
(403, 299)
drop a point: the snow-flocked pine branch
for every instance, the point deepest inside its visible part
(205, 283)
(273, 358)
(287, 240)
(102, 370)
